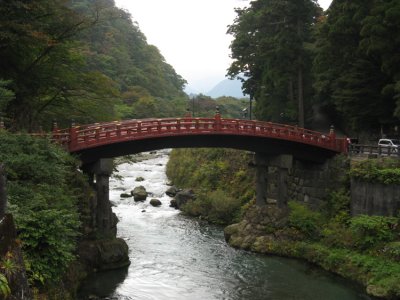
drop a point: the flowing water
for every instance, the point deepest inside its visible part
(176, 257)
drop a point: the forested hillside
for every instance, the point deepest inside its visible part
(82, 60)
(344, 62)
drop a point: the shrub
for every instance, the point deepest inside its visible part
(338, 205)
(220, 177)
(386, 171)
(216, 206)
(370, 231)
(392, 250)
(4, 287)
(224, 208)
(305, 220)
(43, 198)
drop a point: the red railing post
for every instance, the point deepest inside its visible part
(332, 136)
(73, 137)
(54, 131)
(345, 145)
(97, 134)
(118, 130)
(159, 126)
(217, 120)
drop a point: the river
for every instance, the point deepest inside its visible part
(176, 257)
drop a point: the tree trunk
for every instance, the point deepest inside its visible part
(301, 97)
(300, 82)
(3, 195)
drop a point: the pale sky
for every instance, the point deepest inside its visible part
(190, 34)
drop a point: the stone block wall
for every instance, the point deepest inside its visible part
(307, 182)
(311, 183)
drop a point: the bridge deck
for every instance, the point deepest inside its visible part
(79, 138)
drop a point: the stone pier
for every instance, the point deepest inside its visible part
(272, 190)
(104, 251)
(99, 177)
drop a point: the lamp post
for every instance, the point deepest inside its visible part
(244, 113)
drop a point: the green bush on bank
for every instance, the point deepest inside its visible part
(222, 181)
(43, 200)
(305, 220)
(362, 248)
(385, 171)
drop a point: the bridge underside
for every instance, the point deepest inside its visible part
(269, 146)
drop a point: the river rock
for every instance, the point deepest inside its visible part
(172, 203)
(172, 191)
(125, 195)
(183, 197)
(104, 254)
(155, 202)
(139, 193)
(140, 178)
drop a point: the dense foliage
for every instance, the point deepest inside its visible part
(271, 48)
(345, 62)
(357, 62)
(386, 171)
(43, 190)
(84, 60)
(220, 177)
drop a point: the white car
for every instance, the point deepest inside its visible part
(389, 143)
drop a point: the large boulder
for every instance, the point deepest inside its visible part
(183, 197)
(139, 193)
(172, 191)
(155, 202)
(104, 254)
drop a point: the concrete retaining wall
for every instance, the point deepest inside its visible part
(374, 198)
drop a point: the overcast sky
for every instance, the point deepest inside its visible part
(190, 34)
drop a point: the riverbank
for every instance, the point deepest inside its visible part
(364, 249)
(267, 230)
(178, 257)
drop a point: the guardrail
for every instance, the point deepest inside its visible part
(78, 138)
(361, 149)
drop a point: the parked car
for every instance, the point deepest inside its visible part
(389, 143)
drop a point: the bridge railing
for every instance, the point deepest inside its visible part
(81, 137)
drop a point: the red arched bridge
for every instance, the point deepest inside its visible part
(106, 140)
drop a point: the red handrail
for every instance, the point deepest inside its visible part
(82, 137)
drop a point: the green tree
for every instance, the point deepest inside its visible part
(270, 48)
(356, 66)
(39, 54)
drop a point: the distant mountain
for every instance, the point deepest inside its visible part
(190, 91)
(227, 87)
